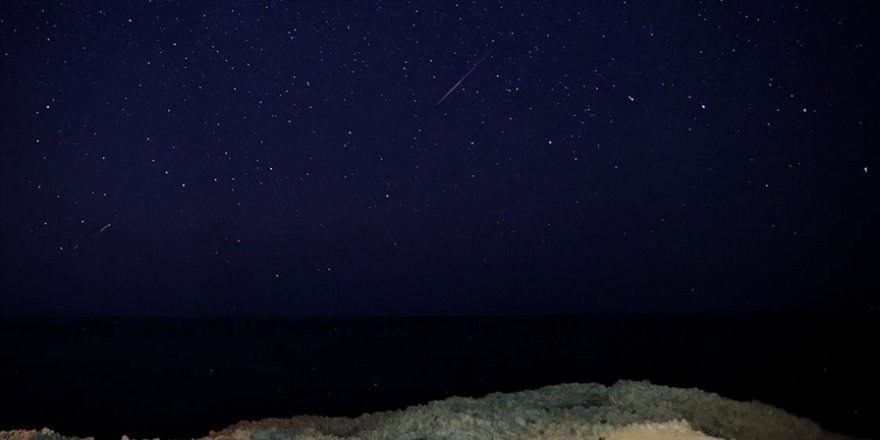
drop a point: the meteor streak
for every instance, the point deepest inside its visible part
(462, 79)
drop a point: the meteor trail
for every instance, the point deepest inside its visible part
(462, 79)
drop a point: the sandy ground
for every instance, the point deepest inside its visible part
(625, 411)
(658, 431)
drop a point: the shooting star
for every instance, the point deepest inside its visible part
(92, 236)
(462, 79)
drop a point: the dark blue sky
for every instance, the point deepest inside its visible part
(290, 158)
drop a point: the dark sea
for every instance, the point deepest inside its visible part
(174, 378)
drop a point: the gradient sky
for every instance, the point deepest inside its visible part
(291, 158)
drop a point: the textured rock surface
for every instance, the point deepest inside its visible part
(625, 411)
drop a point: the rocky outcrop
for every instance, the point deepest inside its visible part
(625, 411)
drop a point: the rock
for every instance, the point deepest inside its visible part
(625, 411)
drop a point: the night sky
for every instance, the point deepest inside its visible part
(251, 158)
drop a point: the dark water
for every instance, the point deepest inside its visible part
(183, 377)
